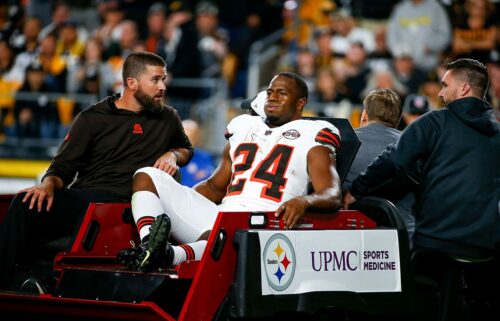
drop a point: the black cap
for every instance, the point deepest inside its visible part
(416, 105)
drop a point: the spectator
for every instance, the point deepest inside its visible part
(494, 90)
(8, 87)
(54, 65)
(243, 21)
(60, 15)
(102, 151)
(353, 71)
(202, 164)
(380, 118)
(424, 26)
(305, 66)
(117, 51)
(28, 39)
(476, 35)
(8, 21)
(384, 78)
(179, 45)
(413, 107)
(69, 45)
(346, 32)
(127, 37)
(381, 51)
(85, 13)
(91, 64)
(156, 20)
(36, 116)
(112, 16)
(330, 92)
(405, 71)
(213, 41)
(324, 56)
(430, 88)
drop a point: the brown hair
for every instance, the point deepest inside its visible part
(471, 71)
(383, 105)
(136, 63)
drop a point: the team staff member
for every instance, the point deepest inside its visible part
(266, 166)
(459, 146)
(457, 211)
(107, 143)
(379, 120)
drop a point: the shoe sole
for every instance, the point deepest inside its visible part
(158, 239)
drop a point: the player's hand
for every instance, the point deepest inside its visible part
(39, 194)
(167, 163)
(347, 200)
(292, 211)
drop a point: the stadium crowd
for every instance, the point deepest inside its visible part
(344, 49)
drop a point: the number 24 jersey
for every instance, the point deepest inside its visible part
(269, 165)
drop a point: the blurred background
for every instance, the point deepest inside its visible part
(59, 57)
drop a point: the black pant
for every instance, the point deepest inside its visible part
(24, 231)
(465, 291)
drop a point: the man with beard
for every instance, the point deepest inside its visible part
(267, 165)
(457, 207)
(106, 144)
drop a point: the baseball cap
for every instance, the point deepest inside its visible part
(402, 51)
(206, 8)
(416, 105)
(256, 103)
(157, 7)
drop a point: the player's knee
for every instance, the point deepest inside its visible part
(143, 182)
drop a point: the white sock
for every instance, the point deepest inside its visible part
(188, 252)
(146, 206)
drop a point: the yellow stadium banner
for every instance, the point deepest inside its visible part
(22, 168)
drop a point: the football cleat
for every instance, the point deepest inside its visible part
(151, 254)
(155, 255)
(131, 257)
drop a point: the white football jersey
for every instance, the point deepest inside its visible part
(269, 165)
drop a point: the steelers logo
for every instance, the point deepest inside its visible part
(279, 262)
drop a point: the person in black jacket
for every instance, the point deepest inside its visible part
(459, 146)
(457, 210)
(106, 144)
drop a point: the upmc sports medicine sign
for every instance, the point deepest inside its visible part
(295, 262)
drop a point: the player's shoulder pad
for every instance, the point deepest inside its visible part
(327, 134)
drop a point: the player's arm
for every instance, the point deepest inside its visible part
(326, 183)
(214, 188)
